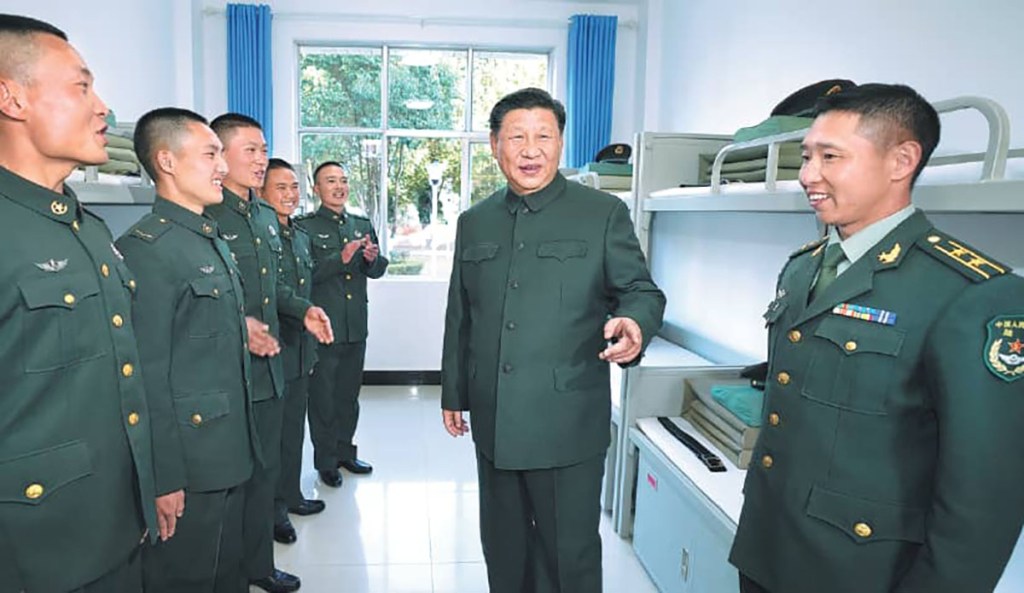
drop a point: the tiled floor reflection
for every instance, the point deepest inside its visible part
(411, 526)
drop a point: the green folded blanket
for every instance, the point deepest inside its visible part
(115, 167)
(785, 162)
(122, 154)
(777, 124)
(120, 142)
(743, 401)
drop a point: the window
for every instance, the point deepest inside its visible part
(410, 124)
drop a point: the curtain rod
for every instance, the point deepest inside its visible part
(421, 21)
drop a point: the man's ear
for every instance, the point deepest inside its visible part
(165, 161)
(906, 156)
(12, 99)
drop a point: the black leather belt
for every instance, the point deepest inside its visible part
(709, 459)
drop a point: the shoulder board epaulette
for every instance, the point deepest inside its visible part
(149, 228)
(960, 256)
(305, 216)
(808, 246)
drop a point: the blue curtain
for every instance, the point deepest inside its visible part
(250, 90)
(591, 72)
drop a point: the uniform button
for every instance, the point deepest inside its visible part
(127, 369)
(263, 271)
(507, 368)
(117, 320)
(515, 284)
(266, 300)
(302, 281)
(34, 491)
(69, 298)
(783, 378)
(163, 221)
(131, 284)
(850, 346)
(521, 246)
(216, 292)
(105, 270)
(197, 419)
(348, 276)
(74, 225)
(934, 239)
(511, 325)
(862, 530)
(773, 419)
(795, 336)
(767, 461)
(133, 418)
(348, 296)
(258, 241)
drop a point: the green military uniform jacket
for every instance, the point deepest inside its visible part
(76, 479)
(893, 419)
(298, 346)
(251, 231)
(190, 321)
(534, 280)
(338, 287)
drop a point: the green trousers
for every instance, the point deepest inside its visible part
(334, 402)
(258, 518)
(539, 528)
(293, 433)
(125, 578)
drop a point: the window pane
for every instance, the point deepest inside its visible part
(424, 185)
(498, 74)
(340, 87)
(485, 177)
(360, 154)
(426, 89)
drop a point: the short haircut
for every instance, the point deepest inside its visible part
(324, 165)
(528, 98)
(161, 128)
(17, 48)
(225, 125)
(891, 113)
(276, 163)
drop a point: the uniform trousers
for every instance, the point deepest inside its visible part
(539, 528)
(124, 578)
(334, 402)
(293, 433)
(747, 585)
(258, 521)
(205, 554)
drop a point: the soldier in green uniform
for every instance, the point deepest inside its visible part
(190, 321)
(298, 349)
(76, 476)
(894, 408)
(249, 225)
(546, 272)
(345, 253)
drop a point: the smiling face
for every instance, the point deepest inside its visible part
(850, 180)
(281, 190)
(64, 117)
(528, 148)
(245, 151)
(195, 168)
(331, 185)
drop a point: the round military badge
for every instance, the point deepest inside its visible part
(1004, 349)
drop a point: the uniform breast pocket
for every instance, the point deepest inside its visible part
(562, 251)
(64, 313)
(211, 311)
(476, 260)
(853, 364)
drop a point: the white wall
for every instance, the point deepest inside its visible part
(724, 65)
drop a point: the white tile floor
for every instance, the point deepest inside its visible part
(411, 526)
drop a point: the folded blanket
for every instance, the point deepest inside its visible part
(743, 401)
(116, 141)
(777, 124)
(116, 167)
(122, 154)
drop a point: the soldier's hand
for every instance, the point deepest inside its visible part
(371, 250)
(319, 324)
(628, 340)
(349, 250)
(454, 423)
(169, 508)
(261, 343)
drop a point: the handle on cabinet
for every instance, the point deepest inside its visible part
(684, 564)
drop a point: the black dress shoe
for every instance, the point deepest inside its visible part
(279, 581)
(284, 533)
(356, 466)
(308, 507)
(330, 477)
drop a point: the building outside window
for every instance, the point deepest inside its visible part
(410, 124)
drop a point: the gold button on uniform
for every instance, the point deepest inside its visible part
(934, 239)
(767, 461)
(69, 298)
(302, 281)
(850, 346)
(773, 419)
(348, 276)
(127, 369)
(216, 292)
(117, 320)
(348, 296)
(197, 419)
(105, 270)
(862, 529)
(795, 336)
(258, 241)
(133, 418)
(34, 491)
(74, 225)
(131, 284)
(263, 271)
(783, 378)
(266, 300)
